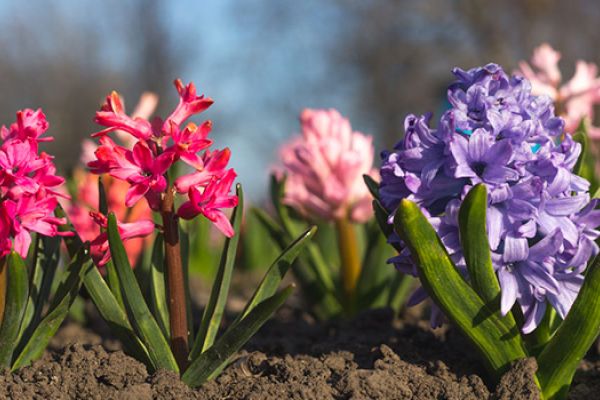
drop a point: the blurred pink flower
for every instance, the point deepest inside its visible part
(325, 167)
(575, 99)
(99, 247)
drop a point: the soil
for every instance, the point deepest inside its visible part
(292, 357)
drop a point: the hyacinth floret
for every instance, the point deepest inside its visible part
(540, 220)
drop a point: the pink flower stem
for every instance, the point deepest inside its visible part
(175, 281)
(350, 259)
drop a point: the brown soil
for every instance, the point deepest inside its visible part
(292, 358)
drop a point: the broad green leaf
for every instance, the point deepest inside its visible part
(217, 356)
(585, 166)
(184, 250)
(73, 242)
(158, 287)
(373, 284)
(494, 337)
(213, 313)
(270, 282)
(561, 356)
(372, 185)
(40, 284)
(17, 290)
(114, 315)
(139, 314)
(472, 221)
(59, 308)
(401, 287)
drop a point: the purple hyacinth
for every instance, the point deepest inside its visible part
(541, 223)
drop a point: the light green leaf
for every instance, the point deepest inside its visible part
(139, 314)
(158, 287)
(494, 337)
(59, 308)
(17, 291)
(216, 357)
(213, 313)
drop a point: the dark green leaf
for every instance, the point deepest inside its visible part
(372, 185)
(498, 341)
(114, 315)
(577, 333)
(158, 287)
(139, 314)
(213, 360)
(213, 313)
(59, 308)
(17, 290)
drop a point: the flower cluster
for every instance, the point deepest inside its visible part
(575, 99)
(324, 168)
(156, 147)
(540, 219)
(28, 183)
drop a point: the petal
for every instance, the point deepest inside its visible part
(135, 193)
(510, 287)
(515, 249)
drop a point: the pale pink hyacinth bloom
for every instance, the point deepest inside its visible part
(575, 99)
(325, 167)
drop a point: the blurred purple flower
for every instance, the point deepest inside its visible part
(541, 223)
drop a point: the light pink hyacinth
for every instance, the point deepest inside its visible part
(575, 99)
(325, 166)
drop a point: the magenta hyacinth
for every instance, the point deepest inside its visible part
(28, 184)
(541, 223)
(155, 147)
(324, 167)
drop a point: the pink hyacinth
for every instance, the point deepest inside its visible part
(28, 184)
(325, 167)
(155, 147)
(575, 99)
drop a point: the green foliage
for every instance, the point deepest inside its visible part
(28, 322)
(320, 270)
(143, 324)
(473, 305)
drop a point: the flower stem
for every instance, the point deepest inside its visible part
(350, 259)
(3, 273)
(175, 281)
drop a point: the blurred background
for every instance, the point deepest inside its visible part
(263, 61)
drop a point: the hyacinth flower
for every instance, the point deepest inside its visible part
(150, 310)
(84, 195)
(321, 181)
(574, 100)
(489, 212)
(29, 244)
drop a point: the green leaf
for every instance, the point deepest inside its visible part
(476, 248)
(277, 271)
(114, 315)
(59, 308)
(17, 291)
(158, 287)
(139, 314)
(216, 357)
(585, 166)
(102, 201)
(577, 333)
(44, 271)
(213, 313)
(498, 341)
(184, 250)
(372, 185)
